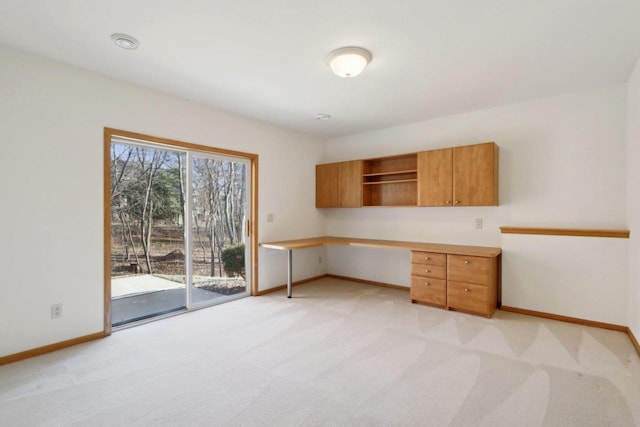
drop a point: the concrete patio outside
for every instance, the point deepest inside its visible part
(142, 296)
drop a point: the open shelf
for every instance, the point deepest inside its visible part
(390, 165)
(397, 176)
(402, 193)
(390, 181)
(395, 181)
(402, 172)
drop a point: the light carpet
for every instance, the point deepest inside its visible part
(337, 354)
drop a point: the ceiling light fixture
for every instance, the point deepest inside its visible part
(349, 61)
(125, 41)
(322, 116)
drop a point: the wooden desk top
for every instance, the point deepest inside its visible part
(482, 251)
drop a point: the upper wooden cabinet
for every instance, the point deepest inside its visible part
(350, 184)
(475, 175)
(339, 185)
(460, 176)
(327, 185)
(435, 177)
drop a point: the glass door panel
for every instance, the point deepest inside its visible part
(148, 270)
(220, 213)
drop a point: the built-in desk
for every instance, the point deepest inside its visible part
(451, 276)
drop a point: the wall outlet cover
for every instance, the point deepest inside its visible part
(56, 311)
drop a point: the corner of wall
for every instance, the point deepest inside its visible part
(633, 195)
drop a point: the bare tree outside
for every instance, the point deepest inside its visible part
(148, 202)
(218, 209)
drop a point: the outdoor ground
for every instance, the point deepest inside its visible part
(142, 296)
(136, 294)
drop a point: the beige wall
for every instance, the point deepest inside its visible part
(633, 184)
(51, 197)
(562, 164)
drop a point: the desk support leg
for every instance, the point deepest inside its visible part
(289, 271)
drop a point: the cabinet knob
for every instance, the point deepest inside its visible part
(466, 262)
(466, 290)
(427, 270)
(448, 202)
(456, 202)
(426, 257)
(427, 284)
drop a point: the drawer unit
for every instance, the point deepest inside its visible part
(428, 290)
(468, 297)
(469, 269)
(430, 258)
(472, 284)
(458, 282)
(428, 278)
(427, 270)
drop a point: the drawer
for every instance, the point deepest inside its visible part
(428, 290)
(471, 269)
(430, 258)
(427, 270)
(468, 297)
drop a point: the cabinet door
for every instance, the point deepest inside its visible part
(475, 175)
(327, 185)
(350, 184)
(435, 177)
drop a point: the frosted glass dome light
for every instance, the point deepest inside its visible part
(349, 61)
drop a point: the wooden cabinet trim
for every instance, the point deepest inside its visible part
(578, 232)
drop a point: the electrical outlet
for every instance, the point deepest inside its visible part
(270, 217)
(478, 223)
(319, 260)
(56, 311)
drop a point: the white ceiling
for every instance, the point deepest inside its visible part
(266, 58)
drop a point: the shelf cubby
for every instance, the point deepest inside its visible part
(390, 181)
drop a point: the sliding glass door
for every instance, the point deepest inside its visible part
(179, 226)
(220, 212)
(147, 232)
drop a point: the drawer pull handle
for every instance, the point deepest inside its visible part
(466, 290)
(428, 284)
(427, 270)
(426, 257)
(466, 262)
